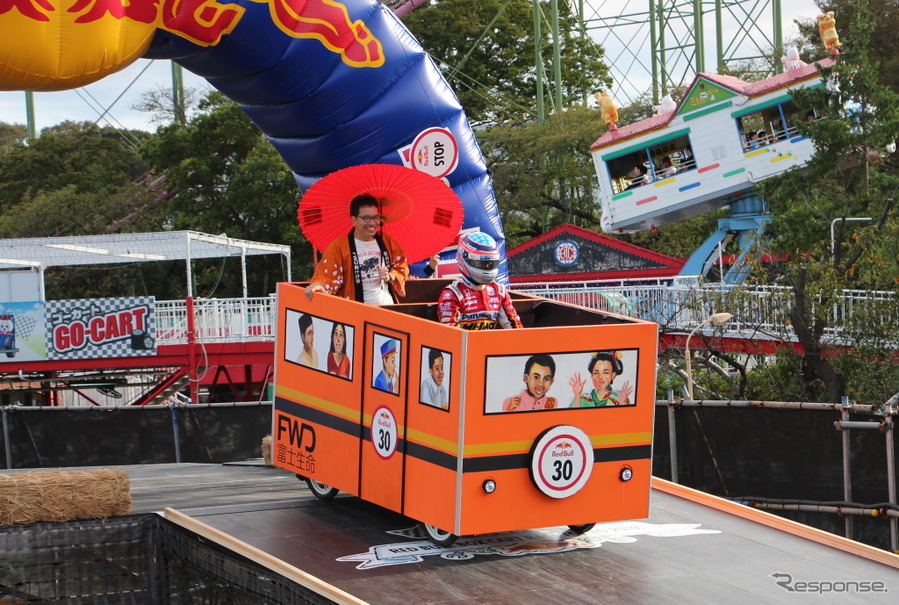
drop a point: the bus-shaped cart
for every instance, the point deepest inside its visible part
(467, 432)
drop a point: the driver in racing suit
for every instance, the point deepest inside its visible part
(476, 301)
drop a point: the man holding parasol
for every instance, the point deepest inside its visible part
(395, 213)
(366, 265)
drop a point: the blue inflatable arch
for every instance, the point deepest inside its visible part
(337, 84)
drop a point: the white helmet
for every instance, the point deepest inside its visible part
(478, 258)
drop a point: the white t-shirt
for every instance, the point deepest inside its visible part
(432, 393)
(375, 290)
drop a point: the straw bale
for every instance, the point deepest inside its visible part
(267, 450)
(63, 495)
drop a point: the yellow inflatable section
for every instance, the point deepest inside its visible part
(61, 44)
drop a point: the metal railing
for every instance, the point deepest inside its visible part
(677, 304)
(217, 320)
(759, 311)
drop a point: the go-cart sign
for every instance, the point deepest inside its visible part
(106, 327)
(561, 461)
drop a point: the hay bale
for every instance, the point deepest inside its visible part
(267, 450)
(63, 495)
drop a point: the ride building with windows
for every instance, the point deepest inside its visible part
(724, 136)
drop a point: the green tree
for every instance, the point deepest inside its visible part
(227, 178)
(160, 101)
(11, 136)
(79, 157)
(883, 19)
(861, 120)
(543, 176)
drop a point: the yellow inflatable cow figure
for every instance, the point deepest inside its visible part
(827, 27)
(608, 107)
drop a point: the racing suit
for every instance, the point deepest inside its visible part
(486, 308)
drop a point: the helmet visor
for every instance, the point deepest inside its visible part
(484, 265)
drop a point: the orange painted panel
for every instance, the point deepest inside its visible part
(433, 415)
(307, 393)
(384, 391)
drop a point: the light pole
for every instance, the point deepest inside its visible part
(833, 246)
(716, 319)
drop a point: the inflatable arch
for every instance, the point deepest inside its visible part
(331, 83)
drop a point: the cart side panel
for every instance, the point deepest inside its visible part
(385, 387)
(501, 445)
(433, 458)
(317, 419)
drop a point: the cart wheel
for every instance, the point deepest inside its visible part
(320, 490)
(438, 536)
(581, 529)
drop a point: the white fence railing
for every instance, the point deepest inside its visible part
(217, 319)
(760, 312)
(677, 305)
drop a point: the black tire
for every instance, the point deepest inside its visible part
(438, 536)
(582, 529)
(320, 490)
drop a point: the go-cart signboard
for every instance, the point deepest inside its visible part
(101, 327)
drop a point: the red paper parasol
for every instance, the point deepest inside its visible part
(420, 211)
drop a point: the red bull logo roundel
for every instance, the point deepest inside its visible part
(63, 44)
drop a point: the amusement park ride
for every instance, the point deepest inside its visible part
(705, 153)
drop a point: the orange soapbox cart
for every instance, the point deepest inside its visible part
(415, 415)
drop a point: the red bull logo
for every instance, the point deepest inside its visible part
(203, 22)
(328, 22)
(102, 36)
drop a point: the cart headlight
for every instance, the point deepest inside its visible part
(489, 486)
(626, 473)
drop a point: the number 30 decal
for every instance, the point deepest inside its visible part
(561, 461)
(383, 432)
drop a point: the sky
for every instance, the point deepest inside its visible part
(115, 95)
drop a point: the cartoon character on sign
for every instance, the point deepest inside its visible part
(604, 367)
(309, 356)
(338, 360)
(433, 391)
(8, 335)
(388, 379)
(539, 371)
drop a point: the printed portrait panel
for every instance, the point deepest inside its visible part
(386, 363)
(558, 381)
(319, 343)
(435, 378)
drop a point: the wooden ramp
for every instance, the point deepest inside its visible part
(692, 548)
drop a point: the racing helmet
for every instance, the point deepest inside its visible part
(478, 258)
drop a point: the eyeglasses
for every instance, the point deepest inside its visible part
(374, 218)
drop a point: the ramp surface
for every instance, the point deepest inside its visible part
(686, 552)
